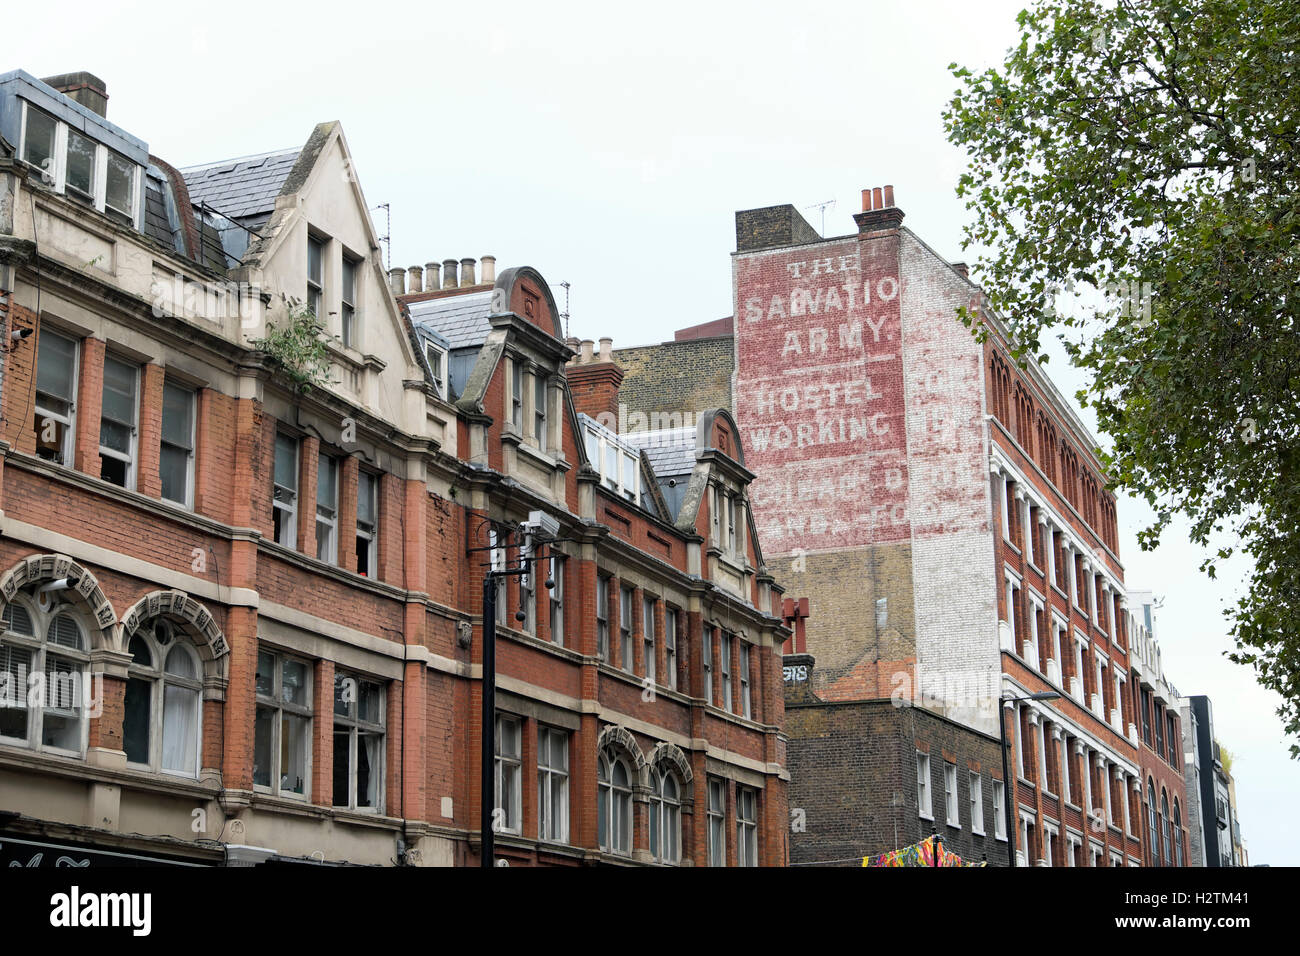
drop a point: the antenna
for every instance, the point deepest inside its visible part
(822, 206)
(565, 314)
(387, 238)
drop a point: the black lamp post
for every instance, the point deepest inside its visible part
(1010, 793)
(538, 529)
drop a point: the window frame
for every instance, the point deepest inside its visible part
(288, 516)
(327, 511)
(354, 725)
(367, 533)
(555, 598)
(670, 646)
(129, 458)
(507, 772)
(746, 700)
(613, 795)
(602, 617)
(41, 651)
(315, 301)
(279, 708)
(68, 420)
(349, 274)
(998, 795)
(626, 647)
(552, 824)
(649, 636)
(192, 397)
(717, 821)
(924, 798)
(952, 807)
(975, 797)
(159, 679)
(663, 811)
(746, 826)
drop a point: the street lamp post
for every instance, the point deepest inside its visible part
(538, 529)
(1009, 793)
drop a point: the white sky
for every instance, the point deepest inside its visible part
(610, 146)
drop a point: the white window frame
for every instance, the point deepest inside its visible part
(746, 702)
(130, 457)
(924, 803)
(670, 646)
(283, 498)
(614, 796)
(59, 168)
(68, 421)
(999, 797)
(951, 808)
(158, 679)
(279, 707)
(348, 300)
(327, 511)
(648, 636)
(540, 390)
(746, 826)
(41, 652)
(316, 284)
(437, 359)
(706, 661)
(187, 500)
(368, 531)
(555, 598)
(724, 653)
(626, 646)
(508, 777)
(604, 444)
(552, 784)
(603, 586)
(517, 386)
(665, 810)
(975, 789)
(354, 725)
(717, 821)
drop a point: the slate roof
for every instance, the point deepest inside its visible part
(242, 188)
(671, 451)
(461, 319)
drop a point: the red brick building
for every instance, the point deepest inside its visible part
(245, 616)
(944, 512)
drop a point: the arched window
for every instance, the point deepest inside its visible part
(665, 817)
(613, 804)
(1153, 841)
(1166, 842)
(45, 657)
(1178, 834)
(161, 727)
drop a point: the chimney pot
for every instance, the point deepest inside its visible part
(467, 272)
(489, 269)
(416, 281)
(584, 356)
(889, 195)
(607, 349)
(866, 200)
(877, 200)
(449, 267)
(431, 276)
(397, 281)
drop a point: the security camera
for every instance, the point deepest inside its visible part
(19, 334)
(539, 522)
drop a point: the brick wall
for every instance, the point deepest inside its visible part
(677, 378)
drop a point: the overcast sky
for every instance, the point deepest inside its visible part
(610, 146)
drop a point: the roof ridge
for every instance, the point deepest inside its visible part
(240, 159)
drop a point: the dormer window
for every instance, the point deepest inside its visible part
(72, 163)
(437, 359)
(614, 459)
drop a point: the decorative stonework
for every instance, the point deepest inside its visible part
(54, 567)
(673, 755)
(180, 607)
(620, 738)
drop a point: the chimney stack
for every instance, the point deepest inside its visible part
(963, 269)
(466, 272)
(878, 210)
(489, 269)
(594, 380)
(449, 267)
(397, 281)
(416, 279)
(85, 88)
(431, 276)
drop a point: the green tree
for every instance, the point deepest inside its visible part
(1149, 151)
